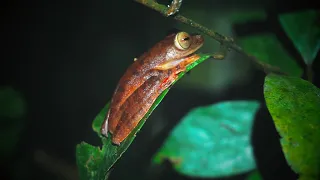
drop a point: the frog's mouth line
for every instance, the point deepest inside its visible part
(195, 48)
(190, 55)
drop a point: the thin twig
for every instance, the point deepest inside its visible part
(226, 41)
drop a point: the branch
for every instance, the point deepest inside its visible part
(223, 40)
(174, 7)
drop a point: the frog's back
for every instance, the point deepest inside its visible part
(133, 78)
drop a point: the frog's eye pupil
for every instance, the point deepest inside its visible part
(182, 41)
(186, 38)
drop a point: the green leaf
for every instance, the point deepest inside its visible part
(304, 31)
(105, 158)
(89, 159)
(212, 141)
(255, 175)
(266, 48)
(294, 105)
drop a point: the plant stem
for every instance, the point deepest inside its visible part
(227, 41)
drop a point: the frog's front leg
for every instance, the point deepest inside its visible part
(172, 64)
(167, 82)
(171, 69)
(171, 75)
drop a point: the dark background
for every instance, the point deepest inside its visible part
(66, 57)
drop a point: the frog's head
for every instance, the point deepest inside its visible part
(175, 48)
(180, 45)
(171, 51)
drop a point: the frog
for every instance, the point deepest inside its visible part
(145, 79)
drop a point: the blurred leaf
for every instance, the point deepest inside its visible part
(255, 175)
(303, 28)
(12, 110)
(212, 141)
(266, 48)
(12, 105)
(10, 136)
(89, 157)
(294, 105)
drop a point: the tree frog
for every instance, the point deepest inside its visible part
(148, 76)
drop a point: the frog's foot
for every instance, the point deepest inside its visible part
(104, 128)
(222, 53)
(218, 55)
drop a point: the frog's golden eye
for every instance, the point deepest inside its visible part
(182, 40)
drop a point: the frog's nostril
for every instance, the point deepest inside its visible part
(198, 37)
